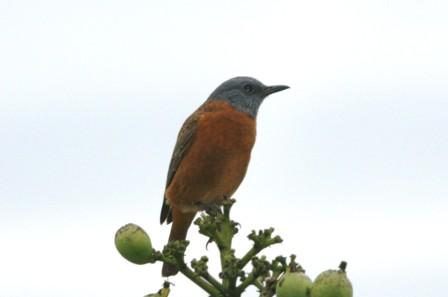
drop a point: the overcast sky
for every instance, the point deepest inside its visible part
(350, 163)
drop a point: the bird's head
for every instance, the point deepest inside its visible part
(245, 93)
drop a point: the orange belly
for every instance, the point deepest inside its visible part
(216, 162)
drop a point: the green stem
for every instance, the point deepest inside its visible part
(258, 284)
(214, 282)
(250, 279)
(248, 257)
(225, 281)
(194, 277)
(224, 241)
(201, 282)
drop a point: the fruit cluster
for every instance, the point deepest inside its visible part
(330, 283)
(272, 278)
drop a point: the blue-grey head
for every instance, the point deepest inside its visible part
(245, 93)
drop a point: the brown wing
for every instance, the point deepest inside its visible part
(184, 140)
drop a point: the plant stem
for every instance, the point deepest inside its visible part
(247, 282)
(214, 282)
(224, 241)
(258, 284)
(201, 282)
(225, 281)
(248, 257)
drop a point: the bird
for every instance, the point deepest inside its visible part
(212, 153)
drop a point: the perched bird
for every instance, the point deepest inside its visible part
(212, 153)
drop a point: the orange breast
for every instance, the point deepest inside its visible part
(217, 160)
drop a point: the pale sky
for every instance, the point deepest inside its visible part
(350, 163)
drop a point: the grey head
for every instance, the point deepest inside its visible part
(245, 93)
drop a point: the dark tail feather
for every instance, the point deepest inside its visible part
(168, 270)
(165, 213)
(179, 229)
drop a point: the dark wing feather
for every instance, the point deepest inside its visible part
(184, 140)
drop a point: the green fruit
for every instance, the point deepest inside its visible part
(294, 284)
(134, 244)
(332, 283)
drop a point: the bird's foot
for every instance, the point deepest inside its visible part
(213, 209)
(209, 208)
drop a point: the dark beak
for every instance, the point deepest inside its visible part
(274, 89)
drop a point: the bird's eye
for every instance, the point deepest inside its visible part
(248, 88)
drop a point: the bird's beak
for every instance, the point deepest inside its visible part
(274, 89)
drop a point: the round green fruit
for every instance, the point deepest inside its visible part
(134, 244)
(294, 284)
(332, 283)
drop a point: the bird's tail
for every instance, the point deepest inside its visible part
(179, 229)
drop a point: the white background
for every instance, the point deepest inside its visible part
(350, 163)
